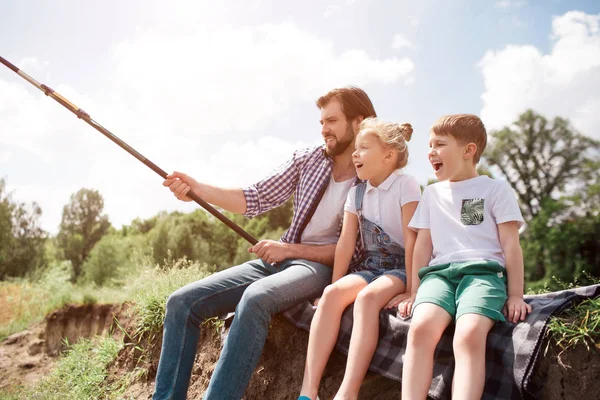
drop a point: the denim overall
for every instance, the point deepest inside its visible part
(381, 255)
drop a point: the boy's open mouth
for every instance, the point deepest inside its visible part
(437, 165)
(358, 165)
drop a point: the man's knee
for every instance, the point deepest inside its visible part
(256, 300)
(183, 304)
(176, 305)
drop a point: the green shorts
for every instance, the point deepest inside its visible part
(477, 287)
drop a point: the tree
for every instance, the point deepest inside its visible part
(144, 226)
(104, 261)
(565, 247)
(21, 239)
(6, 236)
(81, 227)
(541, 160)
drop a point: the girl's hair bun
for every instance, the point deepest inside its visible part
(407, 131)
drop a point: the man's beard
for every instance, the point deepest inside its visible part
(342, 144)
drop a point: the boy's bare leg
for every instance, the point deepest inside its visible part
(365, 332)
(325, 327)
(426, 328)
(469, 353)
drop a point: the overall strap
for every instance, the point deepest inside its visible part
(358, 199)
(358, 202)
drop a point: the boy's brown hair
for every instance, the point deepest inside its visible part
(355, 102)
(465, 128)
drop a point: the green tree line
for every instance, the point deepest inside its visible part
(554, 170)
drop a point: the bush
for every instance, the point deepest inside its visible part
(104, 261)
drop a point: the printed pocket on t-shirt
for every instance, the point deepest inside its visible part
(471, 212)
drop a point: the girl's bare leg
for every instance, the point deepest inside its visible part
(365, 331)
(325, 327)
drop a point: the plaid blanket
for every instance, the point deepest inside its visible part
(512, 349)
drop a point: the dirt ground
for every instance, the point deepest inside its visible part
(23, 360)
(28, 356)
(573, 374)
(277, 377)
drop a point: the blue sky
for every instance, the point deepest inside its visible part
(225, 90)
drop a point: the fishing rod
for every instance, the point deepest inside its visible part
(86, 117)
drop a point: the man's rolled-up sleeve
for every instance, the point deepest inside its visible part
(275, 189)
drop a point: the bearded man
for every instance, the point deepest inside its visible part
(294, 269)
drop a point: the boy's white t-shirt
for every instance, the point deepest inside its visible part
(382, 204)
(463, 217)
(324, 225)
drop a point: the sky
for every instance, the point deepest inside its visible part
(225, 91)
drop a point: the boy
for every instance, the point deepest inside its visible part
(468, 240)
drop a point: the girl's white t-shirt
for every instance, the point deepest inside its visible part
(463, 218)
(383, 204)
(324, 226)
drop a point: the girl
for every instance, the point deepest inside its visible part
(380, 210)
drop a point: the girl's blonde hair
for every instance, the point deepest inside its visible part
(392, 135)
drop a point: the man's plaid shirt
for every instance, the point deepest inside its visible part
(306, 175)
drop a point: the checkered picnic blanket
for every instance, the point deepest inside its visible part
(511, 352)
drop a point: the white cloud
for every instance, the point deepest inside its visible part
(238, 78)
(204, 106)
(564, 82)
(400, 41)
(332, 9)
(414, 21)
(510, 4)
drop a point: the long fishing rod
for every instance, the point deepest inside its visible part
(86, 117)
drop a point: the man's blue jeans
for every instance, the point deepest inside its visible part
(256, 291)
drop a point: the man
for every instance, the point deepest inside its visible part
(294, 269)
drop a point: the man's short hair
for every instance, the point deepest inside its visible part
(465, 128)
(355, 102)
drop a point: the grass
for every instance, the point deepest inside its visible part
(577, 325)
(23, 304)
(80, 374)
(150, 292)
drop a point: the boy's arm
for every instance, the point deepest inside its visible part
(345, 246)
(410, 237)
(516, 309)
(421, 257)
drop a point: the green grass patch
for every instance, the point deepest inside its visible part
(80, 374)
(151, 290)
(577, 325)
(24, 303)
